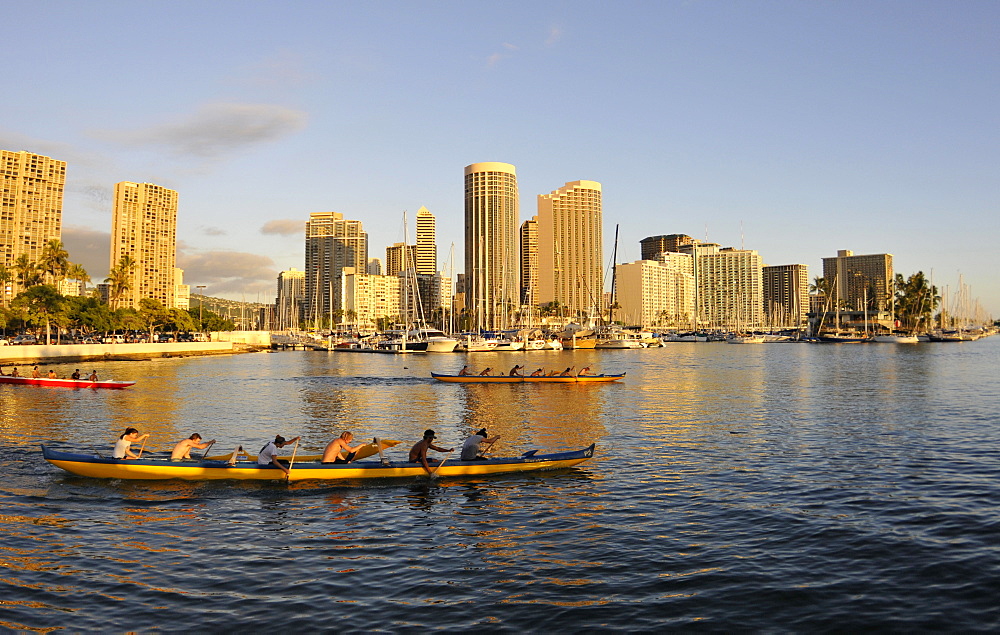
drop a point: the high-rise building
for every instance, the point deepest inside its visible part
(653, 246)
(399, 257)
(370, 298)
(30, 209)
(529, 261)
(786, 295)
(374, 267)
(426, 242)
(288, 302)
(853, 280)
(729, 290)
(570, 248)
(332, 243)
(491, 222)
(657, 293)
(144, 227)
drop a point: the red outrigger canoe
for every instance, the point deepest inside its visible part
(64, 383)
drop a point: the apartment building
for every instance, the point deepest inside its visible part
(570, 248)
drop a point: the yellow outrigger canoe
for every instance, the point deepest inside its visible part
(209, 469)
(517, 379)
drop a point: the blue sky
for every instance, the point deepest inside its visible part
(792, 128)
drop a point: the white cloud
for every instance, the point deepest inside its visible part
(555, 34)
(284, 227)
(232, 274)
(214, 130)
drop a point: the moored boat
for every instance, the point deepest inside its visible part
(205, 470)
(64, 383)
(541, 379)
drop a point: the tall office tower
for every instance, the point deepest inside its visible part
(288, 302)
(30, 211)
(570, 248)
(786, 295)
(491, 218)
(332, 243)
(529, 261)
(426, 242)
(655, 245)
(855, 279)
(729, 291)
(144, 227)
(399, 257)
(374, 267)
(657, 293)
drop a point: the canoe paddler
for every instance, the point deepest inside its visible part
(122, 446)
(418, 454)
(470, 449)
(183, 448)
(269, 453)
(332, 452)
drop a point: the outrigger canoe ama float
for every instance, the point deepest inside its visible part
(541, 379)
(206, 470)
(64, 383)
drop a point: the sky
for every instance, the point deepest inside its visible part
(793, 128)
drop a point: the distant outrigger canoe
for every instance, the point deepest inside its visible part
(206, 470)
(541, 379)
(64, 383)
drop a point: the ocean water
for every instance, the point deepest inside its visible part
(777, 487)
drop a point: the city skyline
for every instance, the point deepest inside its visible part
(793, 130)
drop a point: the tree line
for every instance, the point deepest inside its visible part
(39, 305)
(915, 299)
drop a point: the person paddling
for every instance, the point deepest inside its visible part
(418, 454)
(471, 447)
(183, 448)
(269, 453)
(122, 446)
(342, 443)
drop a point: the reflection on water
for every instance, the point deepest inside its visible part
(747, 487)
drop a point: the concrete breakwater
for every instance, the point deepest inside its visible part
(33, 354)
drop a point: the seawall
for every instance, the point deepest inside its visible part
(35, 354)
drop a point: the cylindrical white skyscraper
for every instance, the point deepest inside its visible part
(491, 249)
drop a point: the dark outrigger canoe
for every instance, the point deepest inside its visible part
(542, 379)
(204, 470)
(65, 383)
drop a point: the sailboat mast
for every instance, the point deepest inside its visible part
(614, 278)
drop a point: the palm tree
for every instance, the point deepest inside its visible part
(6, 277)
(54, 261)
(28, 273)
(916, 299)
(119, 280)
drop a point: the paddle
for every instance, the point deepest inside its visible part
(142, 447)
(288, 475)
(489, 447)
(433, 473)
(205, 453)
